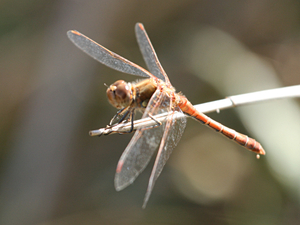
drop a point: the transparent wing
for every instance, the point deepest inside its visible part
(142, 145)
(149, 54)
(173, 132)
(106, 56)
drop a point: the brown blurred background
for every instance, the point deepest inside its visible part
(52, 94)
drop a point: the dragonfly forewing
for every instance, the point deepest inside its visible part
(148, 53)
(105, 56)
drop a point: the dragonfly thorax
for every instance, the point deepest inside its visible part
(119, 94)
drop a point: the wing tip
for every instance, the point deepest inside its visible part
(72, 33)
(140, 26)
(118, 186)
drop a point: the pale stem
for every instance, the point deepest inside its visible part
(232, 101)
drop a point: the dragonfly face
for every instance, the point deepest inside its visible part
(119, 94)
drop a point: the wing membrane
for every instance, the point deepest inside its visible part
(141, 147)
(106, 56)
(148, 53)
(173, 132)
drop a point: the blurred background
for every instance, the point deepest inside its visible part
(52, 94)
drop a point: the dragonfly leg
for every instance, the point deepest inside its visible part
(131, 118)
(124, 119)
(158, 123)
(119, 113)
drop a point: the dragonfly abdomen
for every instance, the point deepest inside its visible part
(249, 143)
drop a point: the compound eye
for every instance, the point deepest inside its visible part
(119, 94)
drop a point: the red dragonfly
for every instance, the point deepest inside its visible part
(153, 96)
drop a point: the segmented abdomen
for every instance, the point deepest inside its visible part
(241, 139)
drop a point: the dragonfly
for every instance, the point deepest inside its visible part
(152, 96)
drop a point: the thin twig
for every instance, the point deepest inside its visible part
(232, 101)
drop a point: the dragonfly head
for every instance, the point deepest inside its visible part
(119, 94)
